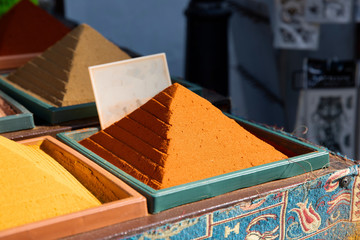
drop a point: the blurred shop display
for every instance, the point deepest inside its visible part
(328, 11)
(327, 108)
(291, 30)
(329, 73)
(357, 10)
(296, 22)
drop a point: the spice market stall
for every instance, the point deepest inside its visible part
(176, 166)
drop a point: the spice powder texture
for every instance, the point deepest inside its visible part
(178, 137)
(26, 28)
(35, 187)
(60, 75)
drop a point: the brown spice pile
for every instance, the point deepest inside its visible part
(60, 75)
(178, 137)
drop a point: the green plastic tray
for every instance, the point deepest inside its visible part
(46, 111)
(22, 120)
(305, 158)
(55, 115)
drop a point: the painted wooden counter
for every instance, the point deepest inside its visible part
(323, 204)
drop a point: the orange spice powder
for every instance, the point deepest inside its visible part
(178, 137)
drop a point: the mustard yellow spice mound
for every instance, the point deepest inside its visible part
(34, 186)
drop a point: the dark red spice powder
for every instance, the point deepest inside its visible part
(27, 28)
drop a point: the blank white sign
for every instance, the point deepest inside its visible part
(121, 87)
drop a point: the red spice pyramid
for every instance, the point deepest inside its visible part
(179, 137)
(60, 75)
(26, 28)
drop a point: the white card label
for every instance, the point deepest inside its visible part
(121, 87)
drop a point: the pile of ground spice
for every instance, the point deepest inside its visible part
(60, 75)
(26, 28)
(34, 186)
(179, 137)
(6, 109)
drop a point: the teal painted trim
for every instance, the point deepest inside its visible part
(46, 111)
(22, 120)
(309, 158)
(14, 103)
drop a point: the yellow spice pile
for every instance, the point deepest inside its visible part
(33, 186)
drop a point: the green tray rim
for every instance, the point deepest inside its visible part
(46, 111)
(16, 122)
